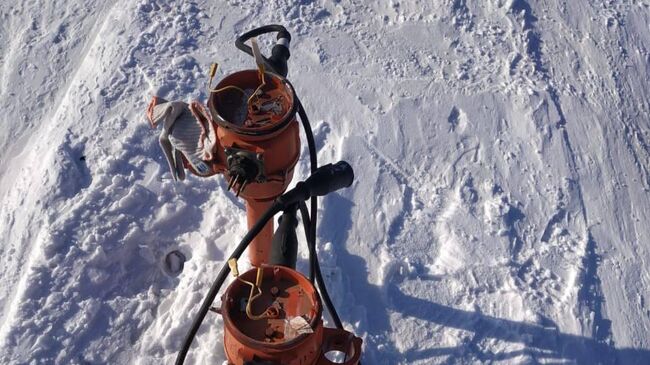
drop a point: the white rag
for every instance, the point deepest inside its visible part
(187, 130)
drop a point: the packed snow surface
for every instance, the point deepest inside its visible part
(502, 158)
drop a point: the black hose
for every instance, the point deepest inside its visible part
(240, 42)
(313, 161)
(314, 266)
(274, 63)
(313, 255)
(221, 278)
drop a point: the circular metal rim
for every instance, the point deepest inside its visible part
(222, 122)
(244, 339)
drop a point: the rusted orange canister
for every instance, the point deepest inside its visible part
(293, 334)
(259, 143)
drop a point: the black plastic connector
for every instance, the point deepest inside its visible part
(284, 246)
(326, 179)
(280, 53)
(279, 56)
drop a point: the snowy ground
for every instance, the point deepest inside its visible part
(502, 155)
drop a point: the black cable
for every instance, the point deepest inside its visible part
(304, 216)
(314, 266)
(242, 46)
(221, 278)
(240, 42)
(311, 144)
(313, 254)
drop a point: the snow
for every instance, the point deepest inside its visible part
(501, 154)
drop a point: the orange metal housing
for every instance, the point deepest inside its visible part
(273, 340)
(272, 138)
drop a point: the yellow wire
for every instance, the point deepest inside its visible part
(226, 88)
(249, 310)
(251, 297)
(258, 88)
(213, 71)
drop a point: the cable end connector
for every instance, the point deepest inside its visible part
(326, 179)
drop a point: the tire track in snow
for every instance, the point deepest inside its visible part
(624, 138)
(587, 282)
(590, 295)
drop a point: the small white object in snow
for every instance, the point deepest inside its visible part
(174, 262)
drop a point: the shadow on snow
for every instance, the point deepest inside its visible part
(541, 341)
